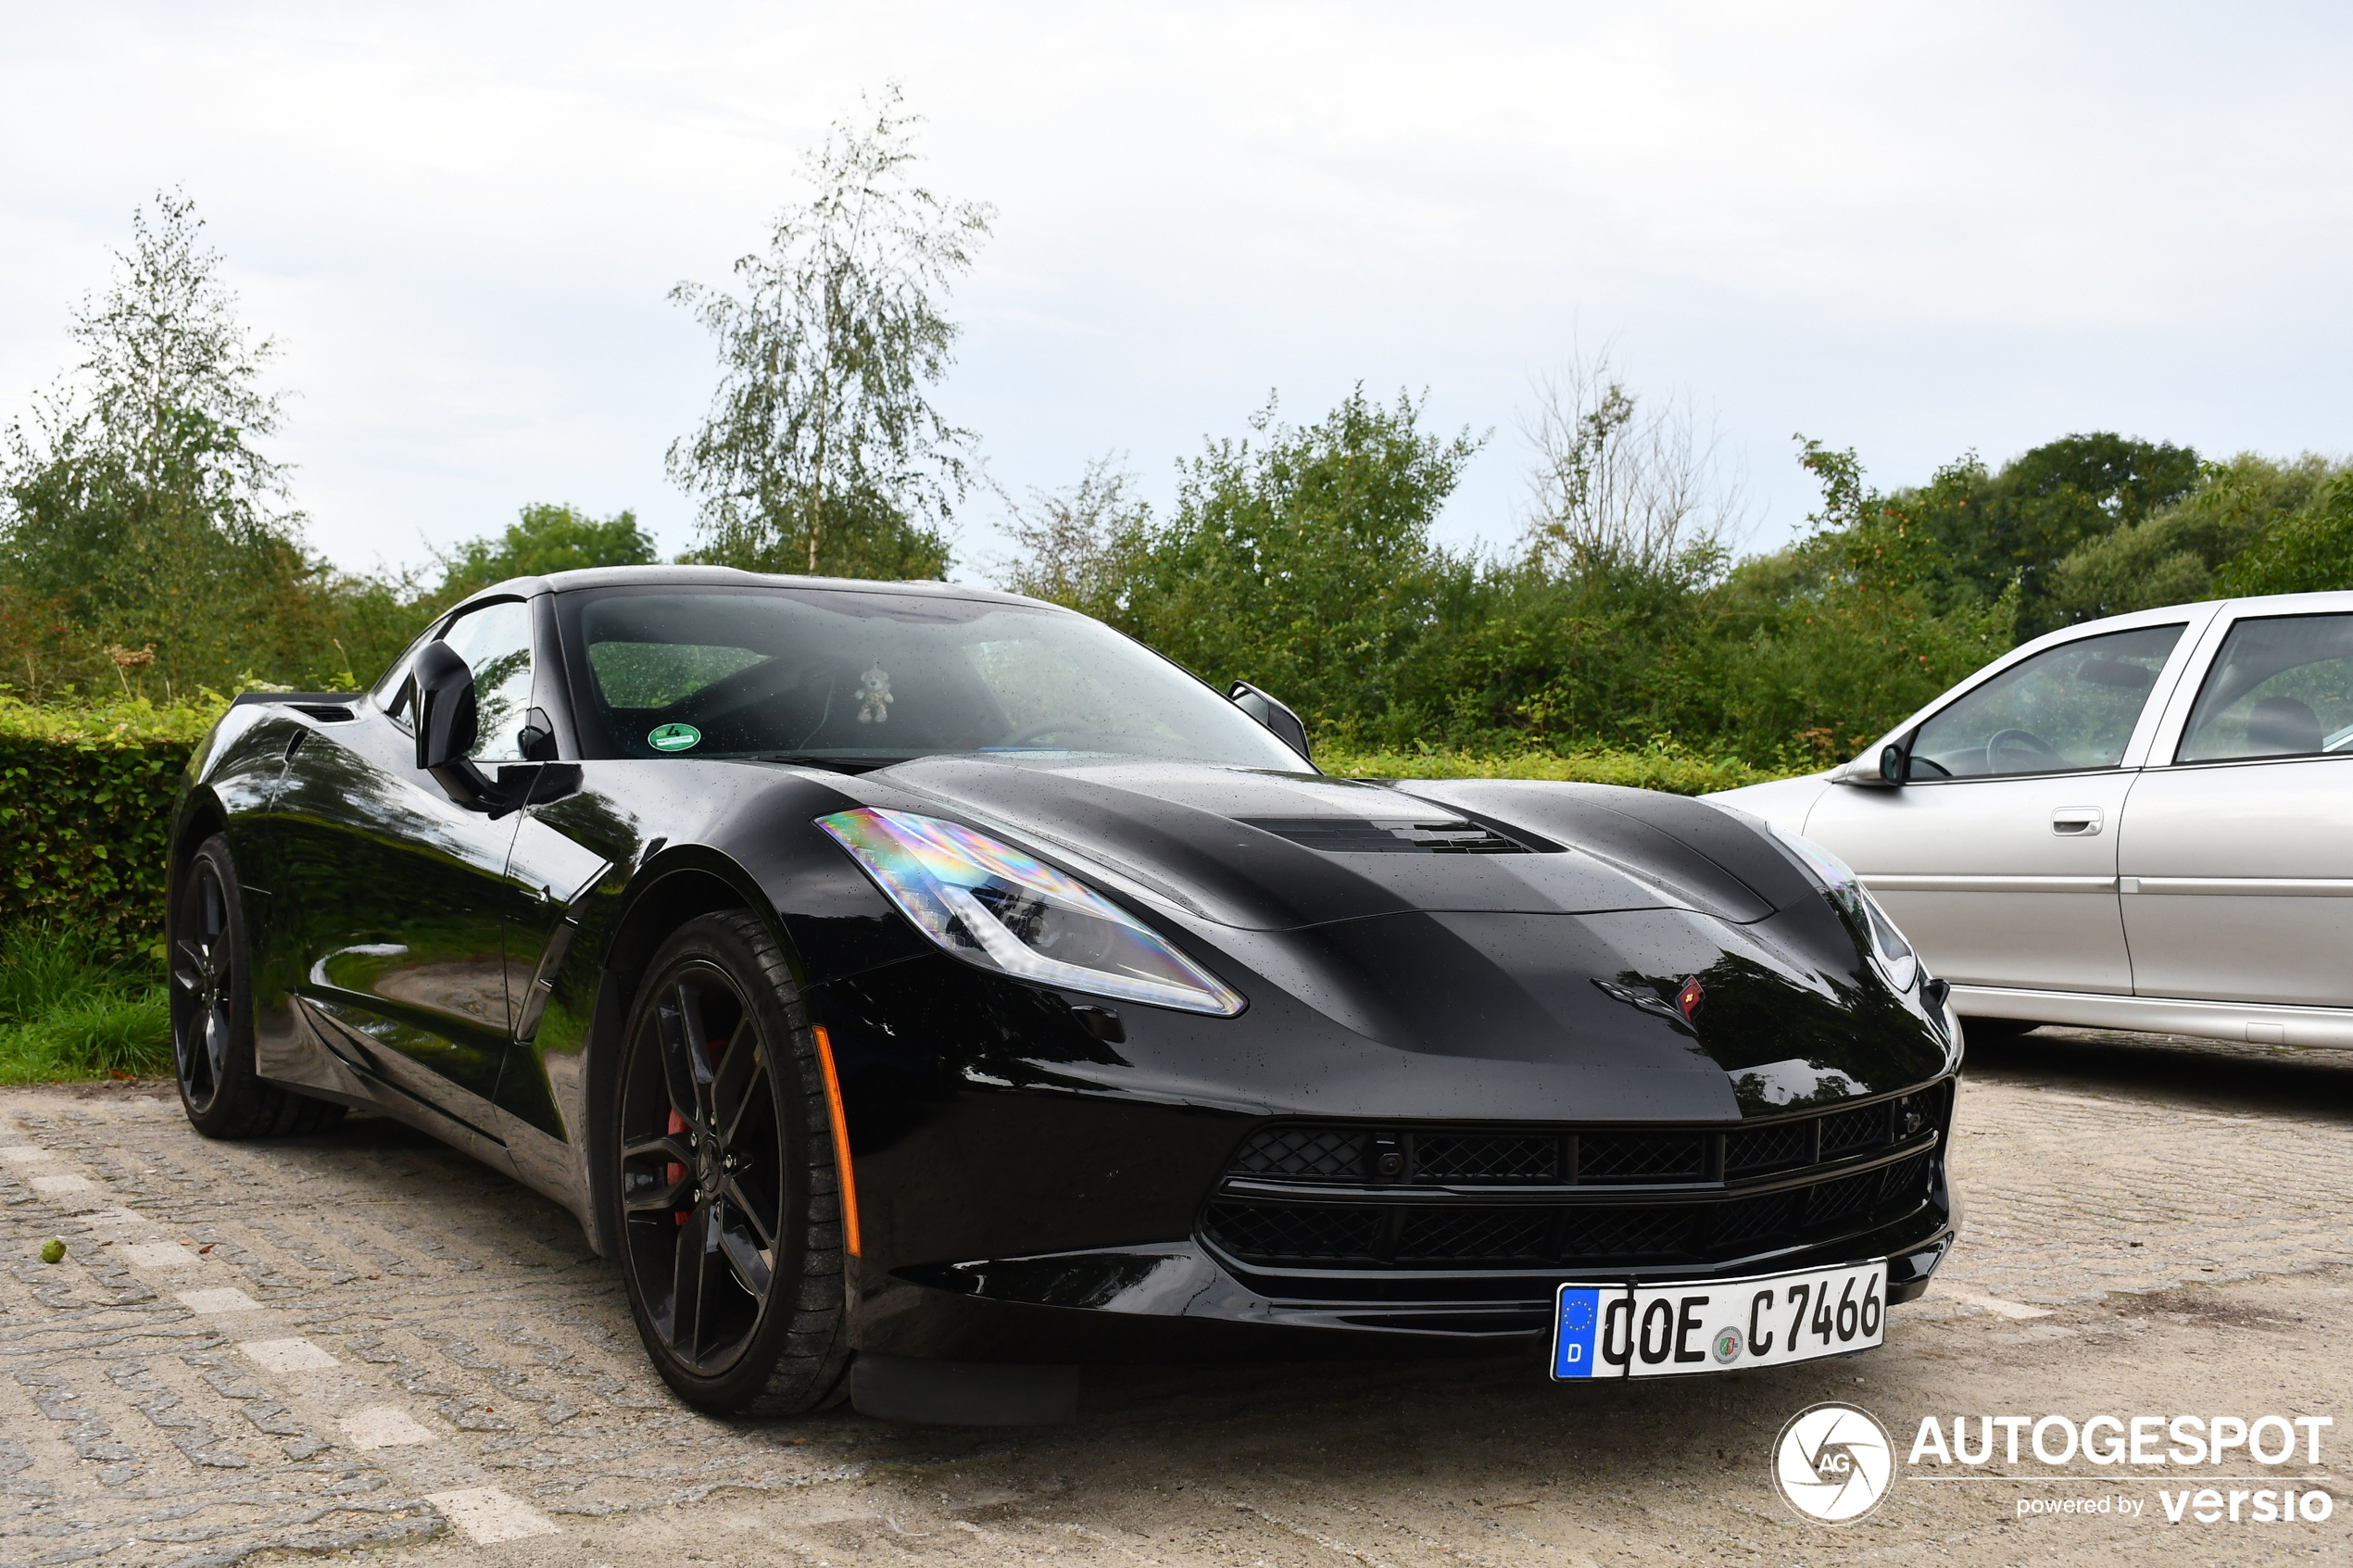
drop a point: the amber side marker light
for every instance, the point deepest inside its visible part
(841, 1143)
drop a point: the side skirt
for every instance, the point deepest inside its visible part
(2162, 1015)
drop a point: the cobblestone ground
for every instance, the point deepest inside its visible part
(362, 1343)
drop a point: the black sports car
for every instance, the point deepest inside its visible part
(920, 991)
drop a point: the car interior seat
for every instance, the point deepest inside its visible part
(2281, 726)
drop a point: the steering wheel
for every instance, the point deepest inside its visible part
(1045, 727)
(2015, 740)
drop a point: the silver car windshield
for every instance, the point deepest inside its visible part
(872, 678)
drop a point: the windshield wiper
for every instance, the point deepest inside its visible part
(835, 764)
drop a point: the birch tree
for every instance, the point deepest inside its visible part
(823, 451)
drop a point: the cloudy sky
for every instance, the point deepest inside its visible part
(1907, 229)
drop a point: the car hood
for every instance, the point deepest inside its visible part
(1267, 851)
(1555, 950)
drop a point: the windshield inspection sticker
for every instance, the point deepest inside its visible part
(673, 737)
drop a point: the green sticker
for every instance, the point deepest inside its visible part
(674, 737)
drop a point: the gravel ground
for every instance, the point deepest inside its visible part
(363, 1344)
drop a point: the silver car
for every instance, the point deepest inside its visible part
(2143, 823)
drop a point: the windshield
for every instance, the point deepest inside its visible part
(867, 678)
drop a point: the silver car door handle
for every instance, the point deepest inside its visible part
(2076, 822)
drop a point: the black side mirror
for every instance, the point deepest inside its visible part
(536, 739)
(448, 723)
(1287, 726)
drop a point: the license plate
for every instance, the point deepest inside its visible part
(1719, 1325)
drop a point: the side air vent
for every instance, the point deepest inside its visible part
(326, 713)
(1351, 835)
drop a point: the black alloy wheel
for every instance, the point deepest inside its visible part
(726, 1198)
(212, 1044)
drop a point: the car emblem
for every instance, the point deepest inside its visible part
(1643, 997)
(1687, 999)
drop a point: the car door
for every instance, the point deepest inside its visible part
(2236, 855)
(1997, 855)
(396, 898)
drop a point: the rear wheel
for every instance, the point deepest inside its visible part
(212, 1013)
(724, 1192)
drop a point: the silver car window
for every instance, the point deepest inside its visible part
(2281, 686)
(2065, 710)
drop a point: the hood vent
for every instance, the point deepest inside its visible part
(1353, 835)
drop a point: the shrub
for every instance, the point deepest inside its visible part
(1662, 765)
(85, 817)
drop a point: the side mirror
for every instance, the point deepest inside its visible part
(448, 723)
(1888, 770)
(1287, 726)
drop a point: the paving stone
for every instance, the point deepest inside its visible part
(288, 1355)
(488, 1515)
(432, 1295)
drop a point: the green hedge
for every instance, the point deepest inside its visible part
(86, 805)
(85, 817)
(1662, 765)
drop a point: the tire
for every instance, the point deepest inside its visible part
(212, 1013)
(723, 1141)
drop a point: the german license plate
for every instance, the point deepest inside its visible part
(1719, 1325)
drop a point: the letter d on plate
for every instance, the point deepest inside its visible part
(1576, 1332)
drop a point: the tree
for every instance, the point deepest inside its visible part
(2015, 525)
(2309, 551)
(546, 538)
(1078, 546)
(139, 506)
(822, 450)
(2172, 556)
(1301, 562)
(1620, 485)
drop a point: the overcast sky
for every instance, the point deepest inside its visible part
(1910, 230)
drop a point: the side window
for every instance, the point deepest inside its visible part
(2067, 708)
(2281, 686)
(391, 691)
(494, 641)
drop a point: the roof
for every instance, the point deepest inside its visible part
(596, 577)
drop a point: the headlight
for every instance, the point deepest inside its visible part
(1889, 950)
(990, 905)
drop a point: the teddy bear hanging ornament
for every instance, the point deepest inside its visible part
(874, 696)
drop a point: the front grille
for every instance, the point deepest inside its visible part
(1642, 1157)
(1576, 1235)
(1305, 1195)
(1864, 1128)
(1442, 1157)
(1297, 1235)
(1761, 1150)
(1303, 1151)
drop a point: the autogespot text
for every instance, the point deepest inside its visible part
(2177, 1441)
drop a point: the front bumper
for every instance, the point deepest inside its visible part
(1178, 1300)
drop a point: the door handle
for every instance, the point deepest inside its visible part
(2076, 822)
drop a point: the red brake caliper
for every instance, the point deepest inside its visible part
(675, 1173)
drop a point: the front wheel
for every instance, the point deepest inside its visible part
(725, 1193)
(212, 1013)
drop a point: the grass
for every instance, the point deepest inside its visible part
(63, 1016)
(1663, 765)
